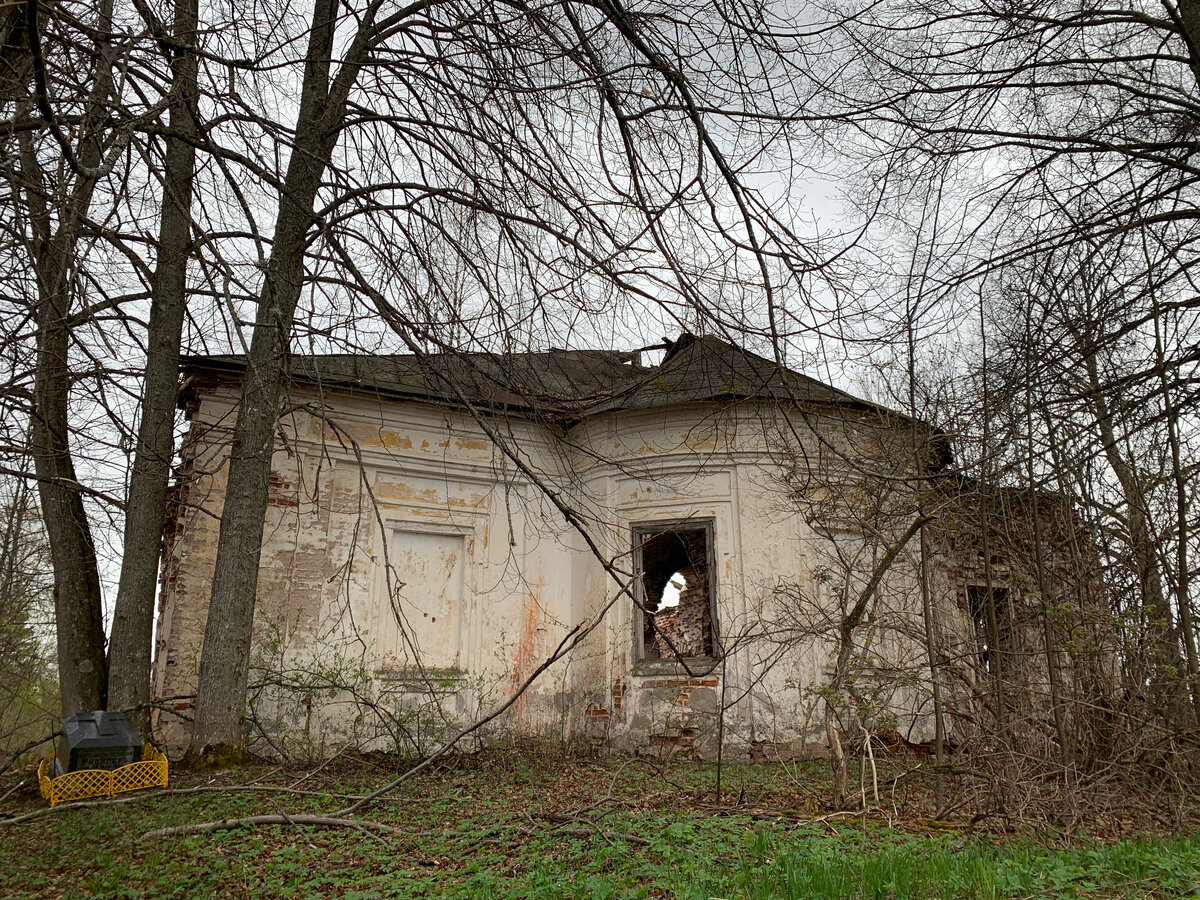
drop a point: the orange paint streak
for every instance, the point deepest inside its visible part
(526, 642)
(526, 659)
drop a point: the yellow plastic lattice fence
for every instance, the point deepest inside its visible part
(85, 783)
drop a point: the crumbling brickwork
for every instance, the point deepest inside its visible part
(684, 630)
(688, 626)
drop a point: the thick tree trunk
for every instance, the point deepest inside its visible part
(1189, 20)
(79, 622)
(133, 613)
(82, 668)
(217, 734)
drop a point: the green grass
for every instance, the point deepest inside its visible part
(494, 828)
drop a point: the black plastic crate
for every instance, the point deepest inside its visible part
(98, 740)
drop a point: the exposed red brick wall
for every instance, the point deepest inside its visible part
(281, 492)
(687, 628)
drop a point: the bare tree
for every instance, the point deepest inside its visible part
(472, 172)
(133, 611)
(1057, 142)
(221, 692)
(57, 206)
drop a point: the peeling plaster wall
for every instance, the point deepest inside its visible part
(346, 543)
(381, 509)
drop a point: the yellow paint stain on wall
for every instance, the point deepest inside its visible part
(398, 490)
(393, 441)
(475, 501)
(469, 444)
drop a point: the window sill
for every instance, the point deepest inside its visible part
(411, 680)
(700, 666)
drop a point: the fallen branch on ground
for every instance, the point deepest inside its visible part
(277, 819)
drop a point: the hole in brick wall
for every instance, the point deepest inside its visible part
(677, 620)
(676, 585)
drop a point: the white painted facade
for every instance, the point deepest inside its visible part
(414, 575)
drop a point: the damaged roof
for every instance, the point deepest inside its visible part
(697, 369)
(567, 384)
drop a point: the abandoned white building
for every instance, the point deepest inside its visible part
(439, 526)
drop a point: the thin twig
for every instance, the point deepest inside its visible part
(323, 765)
(12, 790)
(12, 759)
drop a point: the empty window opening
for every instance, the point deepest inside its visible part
(982, 603)
(677, 618)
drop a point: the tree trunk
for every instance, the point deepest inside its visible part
(1065, 750)
(837, 757)
(1179, 478)
(999, 707)
(1164, 650)
(841, 669)
(920, 466)
(79, 622)
(218, 731)
(1189, 21)
(133, 613)
(82, 669)
(935, 682)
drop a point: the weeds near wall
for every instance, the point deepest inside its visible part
(307, 703)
